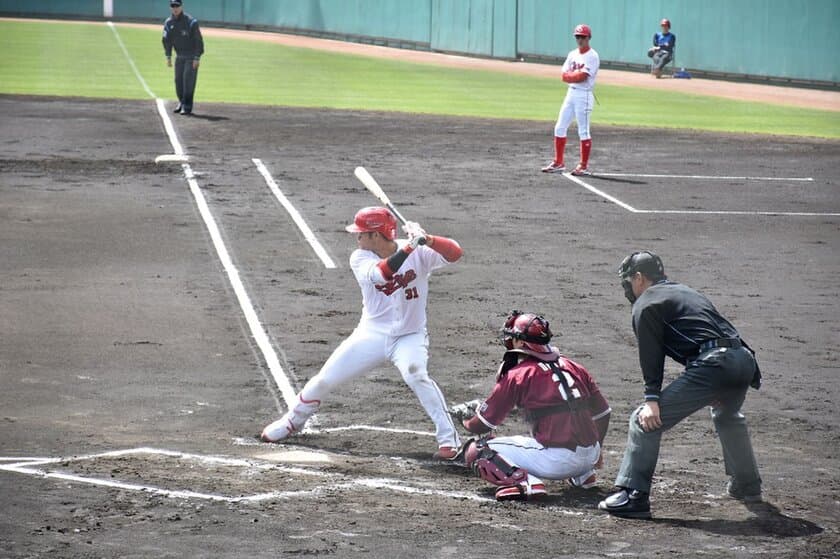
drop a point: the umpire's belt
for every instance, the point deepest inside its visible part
(734, 343)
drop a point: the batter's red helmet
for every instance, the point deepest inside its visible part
(583, 30)
(374, 218)
(532, 329)
(666, 22)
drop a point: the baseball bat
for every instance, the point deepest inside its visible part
(374, 188)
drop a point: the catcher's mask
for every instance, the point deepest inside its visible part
(532, 329)
(645, 262)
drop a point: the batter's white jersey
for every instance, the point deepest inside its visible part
(589, 62)
(396, 307)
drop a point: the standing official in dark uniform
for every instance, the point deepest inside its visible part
(181, 31)
(674, 320)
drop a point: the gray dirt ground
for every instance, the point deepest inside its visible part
(120, 330)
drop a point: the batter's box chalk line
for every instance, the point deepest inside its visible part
(40, 467)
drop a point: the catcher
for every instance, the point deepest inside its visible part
(567, 413)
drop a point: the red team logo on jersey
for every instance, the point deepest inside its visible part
(398, 282)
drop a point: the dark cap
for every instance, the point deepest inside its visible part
(646, 262)
(175, 3)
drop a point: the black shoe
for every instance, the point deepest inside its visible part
(178, 108)
(746, 493)
(186, 111)
(627, 504)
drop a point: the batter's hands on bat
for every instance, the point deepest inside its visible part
(649, 417)
(416, 234)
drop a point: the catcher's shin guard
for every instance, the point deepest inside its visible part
(491, 466)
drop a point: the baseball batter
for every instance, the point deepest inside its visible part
(579, 71)
(393, 275)
(564, 407)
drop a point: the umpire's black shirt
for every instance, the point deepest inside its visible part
(182, 32)
(672, 319)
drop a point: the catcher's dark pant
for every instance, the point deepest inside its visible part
(185, 78)
(720, 376)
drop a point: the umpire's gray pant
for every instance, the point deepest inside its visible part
(720, 375)
(185, 78)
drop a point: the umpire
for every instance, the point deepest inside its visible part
(675, 320)
(180, 30)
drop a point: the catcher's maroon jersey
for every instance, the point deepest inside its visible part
(533, 384)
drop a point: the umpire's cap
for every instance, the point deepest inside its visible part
(644, 261)
(175, 3)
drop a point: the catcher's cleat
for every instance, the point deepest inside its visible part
(554, 167)
(588, 483)
(521, 492)
(627, 504)
(745, 493)
(581, 170)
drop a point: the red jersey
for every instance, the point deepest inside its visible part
(532, 385)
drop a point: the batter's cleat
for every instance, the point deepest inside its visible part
(581, 170)
(521, 492)
(588, 483)
(446, 454)
(554, 167)
(746, 493)
(277, 431)
(627, 504)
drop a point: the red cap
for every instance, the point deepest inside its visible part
(583, 29)
(374, 218)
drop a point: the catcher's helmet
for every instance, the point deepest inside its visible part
(374, 218)
(532, 329)
(583, 30)
(666, 22)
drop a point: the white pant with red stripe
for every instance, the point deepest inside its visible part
(577, 105)
(547, 462)
(361, 352)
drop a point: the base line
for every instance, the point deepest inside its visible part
(253, 321)
(630, 208)
(705, 177)
(298, 219)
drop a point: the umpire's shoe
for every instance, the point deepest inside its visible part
(627, 503)
(178, 108)
(746, 493)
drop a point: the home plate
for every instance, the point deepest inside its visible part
(296, 456)
(171, 158)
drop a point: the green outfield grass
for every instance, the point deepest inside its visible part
(72, 59)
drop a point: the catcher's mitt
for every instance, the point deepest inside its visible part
(464, 411)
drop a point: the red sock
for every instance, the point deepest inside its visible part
(585, 148)
(559, 148)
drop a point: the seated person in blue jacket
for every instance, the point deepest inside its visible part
(663, 48)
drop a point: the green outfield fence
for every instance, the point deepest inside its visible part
(787, 40)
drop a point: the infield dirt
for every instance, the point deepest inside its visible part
(120, 331)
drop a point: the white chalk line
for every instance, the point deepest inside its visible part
(372, 428)
(705, 177)
(130, 61)
(298, 219)
(257, 330)
(634, 210)
(29, 468)
(600, 193)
